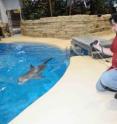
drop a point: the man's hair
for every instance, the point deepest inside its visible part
(113, 18)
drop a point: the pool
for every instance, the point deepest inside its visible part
(21, 59)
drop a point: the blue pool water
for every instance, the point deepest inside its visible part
(15, 60)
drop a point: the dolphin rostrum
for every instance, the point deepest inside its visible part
(34, 72)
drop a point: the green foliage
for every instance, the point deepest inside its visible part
(35, 9)
(60, 7)
(100, 6)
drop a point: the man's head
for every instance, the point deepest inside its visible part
(113, 21)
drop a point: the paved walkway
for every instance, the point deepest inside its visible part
(53, 41)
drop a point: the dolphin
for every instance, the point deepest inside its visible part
(34, 72)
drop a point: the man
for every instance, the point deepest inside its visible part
(108, 80)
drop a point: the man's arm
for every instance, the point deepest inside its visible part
(104, 50)
(107, 51)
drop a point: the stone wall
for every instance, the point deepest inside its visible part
(65, 26)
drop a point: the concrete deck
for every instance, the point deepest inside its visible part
(74, 99)
(63, 44)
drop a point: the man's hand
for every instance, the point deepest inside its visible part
(96, 45)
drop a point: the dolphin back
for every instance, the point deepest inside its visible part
(47, 60)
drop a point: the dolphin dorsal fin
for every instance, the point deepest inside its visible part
(47, 60)
(31, 66)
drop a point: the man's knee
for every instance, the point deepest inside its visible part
(99, 86)
(108, 81)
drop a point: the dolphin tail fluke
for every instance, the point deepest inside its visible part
(47, 60)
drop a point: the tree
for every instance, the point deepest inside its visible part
(50, 6)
